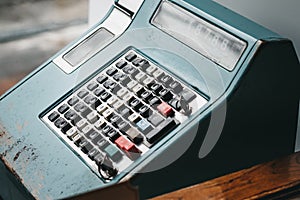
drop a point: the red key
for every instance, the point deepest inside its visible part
(165, 109)
(128, 147)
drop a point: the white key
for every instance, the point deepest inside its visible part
(149, 81)
(158, 73)
(81, 124)
(151, 69)
(112, 100)
(137, 88)
(92, 117)
(107, 113)
(118, 105)
(76, 137)
(86, 129)
(99, 124)
(71, 131)
(127, 97)
(101, 108)
(131, 84)
(133, 117)
(140, 76)
(122, 92)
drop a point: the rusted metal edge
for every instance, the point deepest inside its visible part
(7, 165)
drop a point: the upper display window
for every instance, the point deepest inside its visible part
(209, 40)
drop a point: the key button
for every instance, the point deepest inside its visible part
(165, 109)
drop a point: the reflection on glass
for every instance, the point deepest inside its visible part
(207, 39)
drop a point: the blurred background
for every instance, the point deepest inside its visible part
(31, 31)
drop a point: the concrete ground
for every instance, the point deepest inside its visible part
(32, 31)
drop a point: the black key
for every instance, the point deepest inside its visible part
(187, 95)
(102, 144)
(107, 83)
(73, 101)
(117, 76)
(95, 103)
(111, 71)
(127, 68)
(104, 96)
(165, 94)
(82, 93)
(136, 61)
(115, 119)
(123, 126)
(93, 153)
(53, 116)
(97, 139)
(155, 101)
(134, 135)
(66, 128)
(176, 87)
(92, 101)
(99, 91)
(75, 120)
(156, 88)
(113, 135)
(80, 107)
(115, 88)
(138, 90)
(89, 99)
(166, 80)
(131, 56)
(146, 96)
(125, 112)
(124, 80)
(63, 108)
(141, 63)
(136, 104)
(145, 111)
(101, 79)
(78, 140)
(130, 70)
(121, 64)
(106, 130)
(133, 72)
(85, 146)
(62, 124)
(164, 128)
(175, 103)
(83, 109)
(92, 86)
(71, 114)
(155, 119)
(92, 134)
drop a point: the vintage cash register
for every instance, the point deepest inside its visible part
(161, 93)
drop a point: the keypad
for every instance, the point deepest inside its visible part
(123, 111)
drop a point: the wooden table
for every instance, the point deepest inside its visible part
(278, 179)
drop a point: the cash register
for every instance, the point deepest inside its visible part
(161, 93)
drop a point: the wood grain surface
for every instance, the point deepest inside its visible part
(279, 179)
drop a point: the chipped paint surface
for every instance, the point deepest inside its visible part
(32, 152)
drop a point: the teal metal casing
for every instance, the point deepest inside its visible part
(251, 114)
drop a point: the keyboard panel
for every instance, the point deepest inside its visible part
(118, 115)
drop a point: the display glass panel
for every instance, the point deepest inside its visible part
(207, 39)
